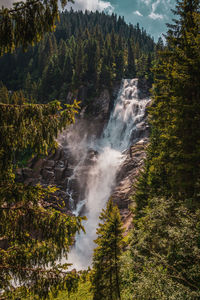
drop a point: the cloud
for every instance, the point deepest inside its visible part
(6, 3)
(138, 13)
(156, 16)
(153, 15)
(147, 2)
(91, 5)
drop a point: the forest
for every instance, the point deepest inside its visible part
(93, 50)
(50, 56)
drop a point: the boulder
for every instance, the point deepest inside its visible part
(47, 176)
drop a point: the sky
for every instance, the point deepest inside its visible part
(152, 15)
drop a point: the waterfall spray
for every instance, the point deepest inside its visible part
(99, 182)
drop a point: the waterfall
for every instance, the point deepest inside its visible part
(108, 154)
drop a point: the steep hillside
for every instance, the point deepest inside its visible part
(88, 52)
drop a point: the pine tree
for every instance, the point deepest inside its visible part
(174, 152)
(26, 23)
(106, 267)
(103, 40)
(31, 237)
(28, 85)
(164, 246)
(131, 70)
(68, 70)
(79, 65)
(119, 61)
(4, 94)
(62, 53)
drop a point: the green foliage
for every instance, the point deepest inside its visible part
(17, 97)
(131, 68)
(91, 50)
(83, 291)
(26, 23)
(164, 257)
(173, 156)
(105, 276)
(32, 238)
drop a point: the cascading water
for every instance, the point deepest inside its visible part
(99, 182)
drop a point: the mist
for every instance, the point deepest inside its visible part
(96, 163)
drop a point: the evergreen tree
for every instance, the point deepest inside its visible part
(26, 23)
(79, 65)
(165, 248)
(28, 85)
(131, 70)
(102, 43)
(4, 94)
(174, 152)
(106, 267)
(119, 61)
(62, 53)
(68, 70)
(160, 44)
(31, 237)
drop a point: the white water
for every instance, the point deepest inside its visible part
(127, 116)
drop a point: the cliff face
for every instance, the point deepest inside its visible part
(58, 167)
(71, 164)
(127, 177)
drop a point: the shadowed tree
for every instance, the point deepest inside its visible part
(31, 237)
(105, 276)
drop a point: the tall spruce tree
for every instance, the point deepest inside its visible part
(31, 237)
(106, 267)
(174, 160)
(131, 69)
(165, 249)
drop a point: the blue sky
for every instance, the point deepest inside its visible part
(150, 14)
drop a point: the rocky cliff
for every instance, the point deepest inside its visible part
(68, 167)
(127, 177)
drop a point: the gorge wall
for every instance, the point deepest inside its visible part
(98, 157)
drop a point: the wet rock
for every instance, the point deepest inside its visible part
(27, 172)
(58, 167)
(127, 176)
(68, 172)
(60, 164)
(57, 154)
(47, 175)
(64, 154)
(32, 181)
(37, 166)
(59, 171)
(101, 104)
(48, 164)
(75, 187)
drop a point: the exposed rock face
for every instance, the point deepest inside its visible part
(58, 168)
(52, 171)
(126, 177)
